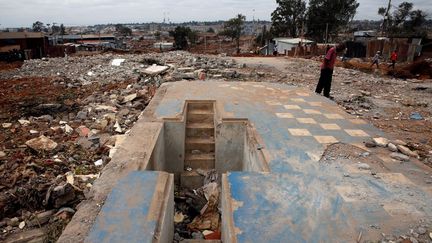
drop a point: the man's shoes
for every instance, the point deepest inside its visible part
(330, 97)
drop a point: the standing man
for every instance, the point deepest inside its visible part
(327, 70)
(393, 58)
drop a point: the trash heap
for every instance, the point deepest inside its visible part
(197, 213)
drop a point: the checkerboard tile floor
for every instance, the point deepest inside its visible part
(317, 121)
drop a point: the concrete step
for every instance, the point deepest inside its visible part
(200, 118)
(201, 112)
(200, 131)
(200, 140)
(204, 145)
(205, 161)
(200, 125)
(200, 106)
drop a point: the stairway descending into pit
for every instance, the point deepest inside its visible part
(200, 140)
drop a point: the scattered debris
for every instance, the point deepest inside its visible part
(381, 142)
(42, 143)
(363, 166)
(416, 116)
(392, 147)
(407, 151)
(117, 62)
(399, 156)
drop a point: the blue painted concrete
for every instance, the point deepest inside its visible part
(123, 217)
(300, 200)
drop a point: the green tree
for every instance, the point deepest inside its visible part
(404, 21)
(263, 36)
(62, 30)
(288, 18)
(330, 15)
(55, 29)
(38, 26)
(123, 30)
(210, 30)
(193, 36)
(233, 28)
(181, 35)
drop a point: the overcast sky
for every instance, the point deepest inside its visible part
(16, 13)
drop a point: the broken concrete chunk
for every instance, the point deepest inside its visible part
(421, 230)
(70, 178)
(13, 222)
(98, 163)
(105, 108)
(363, 166)
(117, 62)
(24, 122)
(407, 151)
(118, 127)
(2, 154)
(21, 225)
(392, 147)
(68, 129)
(381, 142)
(83, 131)
(7, 125)
(399, 156)
(370, 144)
(156, 69)
(399, 142)
(130, 98)
(42, 143)
(82, 115)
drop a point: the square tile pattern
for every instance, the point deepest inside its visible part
(299, 132)
(356, 133)
(325, 127)
(284, 115)
(330, 126)
(292, 107)
(312, 112)
(306, 120)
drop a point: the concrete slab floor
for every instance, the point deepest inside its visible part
(300, 199)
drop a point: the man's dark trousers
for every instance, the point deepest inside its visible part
(325, 82)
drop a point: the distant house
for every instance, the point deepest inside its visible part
(364, 35)
(285, 45)
(102, 40)
(32, 44)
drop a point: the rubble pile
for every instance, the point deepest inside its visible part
(48, 163)
(108, 68)
(197, 213)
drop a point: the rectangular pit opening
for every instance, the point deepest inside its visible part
(198, 148)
